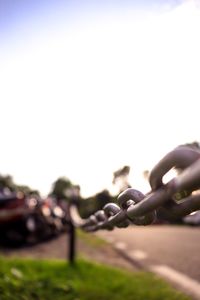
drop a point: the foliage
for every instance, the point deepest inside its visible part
(7, 182)
(64, 189)
(90, 205)
(120, 178)
(146, 174)
(45, 280)
(195, 145)
(91, 239)
(103, 198)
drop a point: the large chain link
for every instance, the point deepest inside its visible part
(175, 199)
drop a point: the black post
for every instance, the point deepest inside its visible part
(71, 243)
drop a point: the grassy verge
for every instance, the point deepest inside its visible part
(91, 239)
(45, 280)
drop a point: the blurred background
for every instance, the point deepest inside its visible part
(93, 94)
(88, 87)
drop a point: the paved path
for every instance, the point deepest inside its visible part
(58, 248)
(177, 247)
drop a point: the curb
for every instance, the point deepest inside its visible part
(179, 281)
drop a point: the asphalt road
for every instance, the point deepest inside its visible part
(175, 246)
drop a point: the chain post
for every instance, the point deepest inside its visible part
(71, 238)
(71, 255)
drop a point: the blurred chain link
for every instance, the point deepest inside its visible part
(175, 199)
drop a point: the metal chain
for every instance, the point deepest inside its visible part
(176, 199)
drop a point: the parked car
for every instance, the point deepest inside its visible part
(193, 219)
(28, 219)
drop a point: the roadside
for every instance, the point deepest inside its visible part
(171, 252)
(33, 279)
(88, 246)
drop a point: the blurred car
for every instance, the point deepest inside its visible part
(193, 219)
(29, 219)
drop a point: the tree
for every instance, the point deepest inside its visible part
(194, 145)
(94, 203)
(146, 174)
(102, 199)
(64, 189)
(120, 178)
(60, 187)
(6, 181)
(26, 190)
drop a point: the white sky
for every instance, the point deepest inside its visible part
(99, 94)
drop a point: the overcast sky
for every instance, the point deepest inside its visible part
(90, 86)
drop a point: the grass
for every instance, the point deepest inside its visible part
(44, 280)
(91, 239)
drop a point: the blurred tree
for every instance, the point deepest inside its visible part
(6, 181)
(120, 178)
(64, 189)
(26, 190)
(146, 174)
(61, 187)
(92, 204)
(7, 184)
(102, 199)
(194, 145)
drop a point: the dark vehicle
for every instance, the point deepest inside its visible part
(55, 214)
(12, 216)
(29, 219)
(193, 219)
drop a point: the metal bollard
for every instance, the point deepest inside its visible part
(71, 255)
(71, 237)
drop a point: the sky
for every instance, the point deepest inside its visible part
(87, 87)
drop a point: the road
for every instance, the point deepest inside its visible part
(177, 247)
(57, 248)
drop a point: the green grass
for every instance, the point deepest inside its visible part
(43, 280)
(91, 239)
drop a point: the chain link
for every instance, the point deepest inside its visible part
(175, 199)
